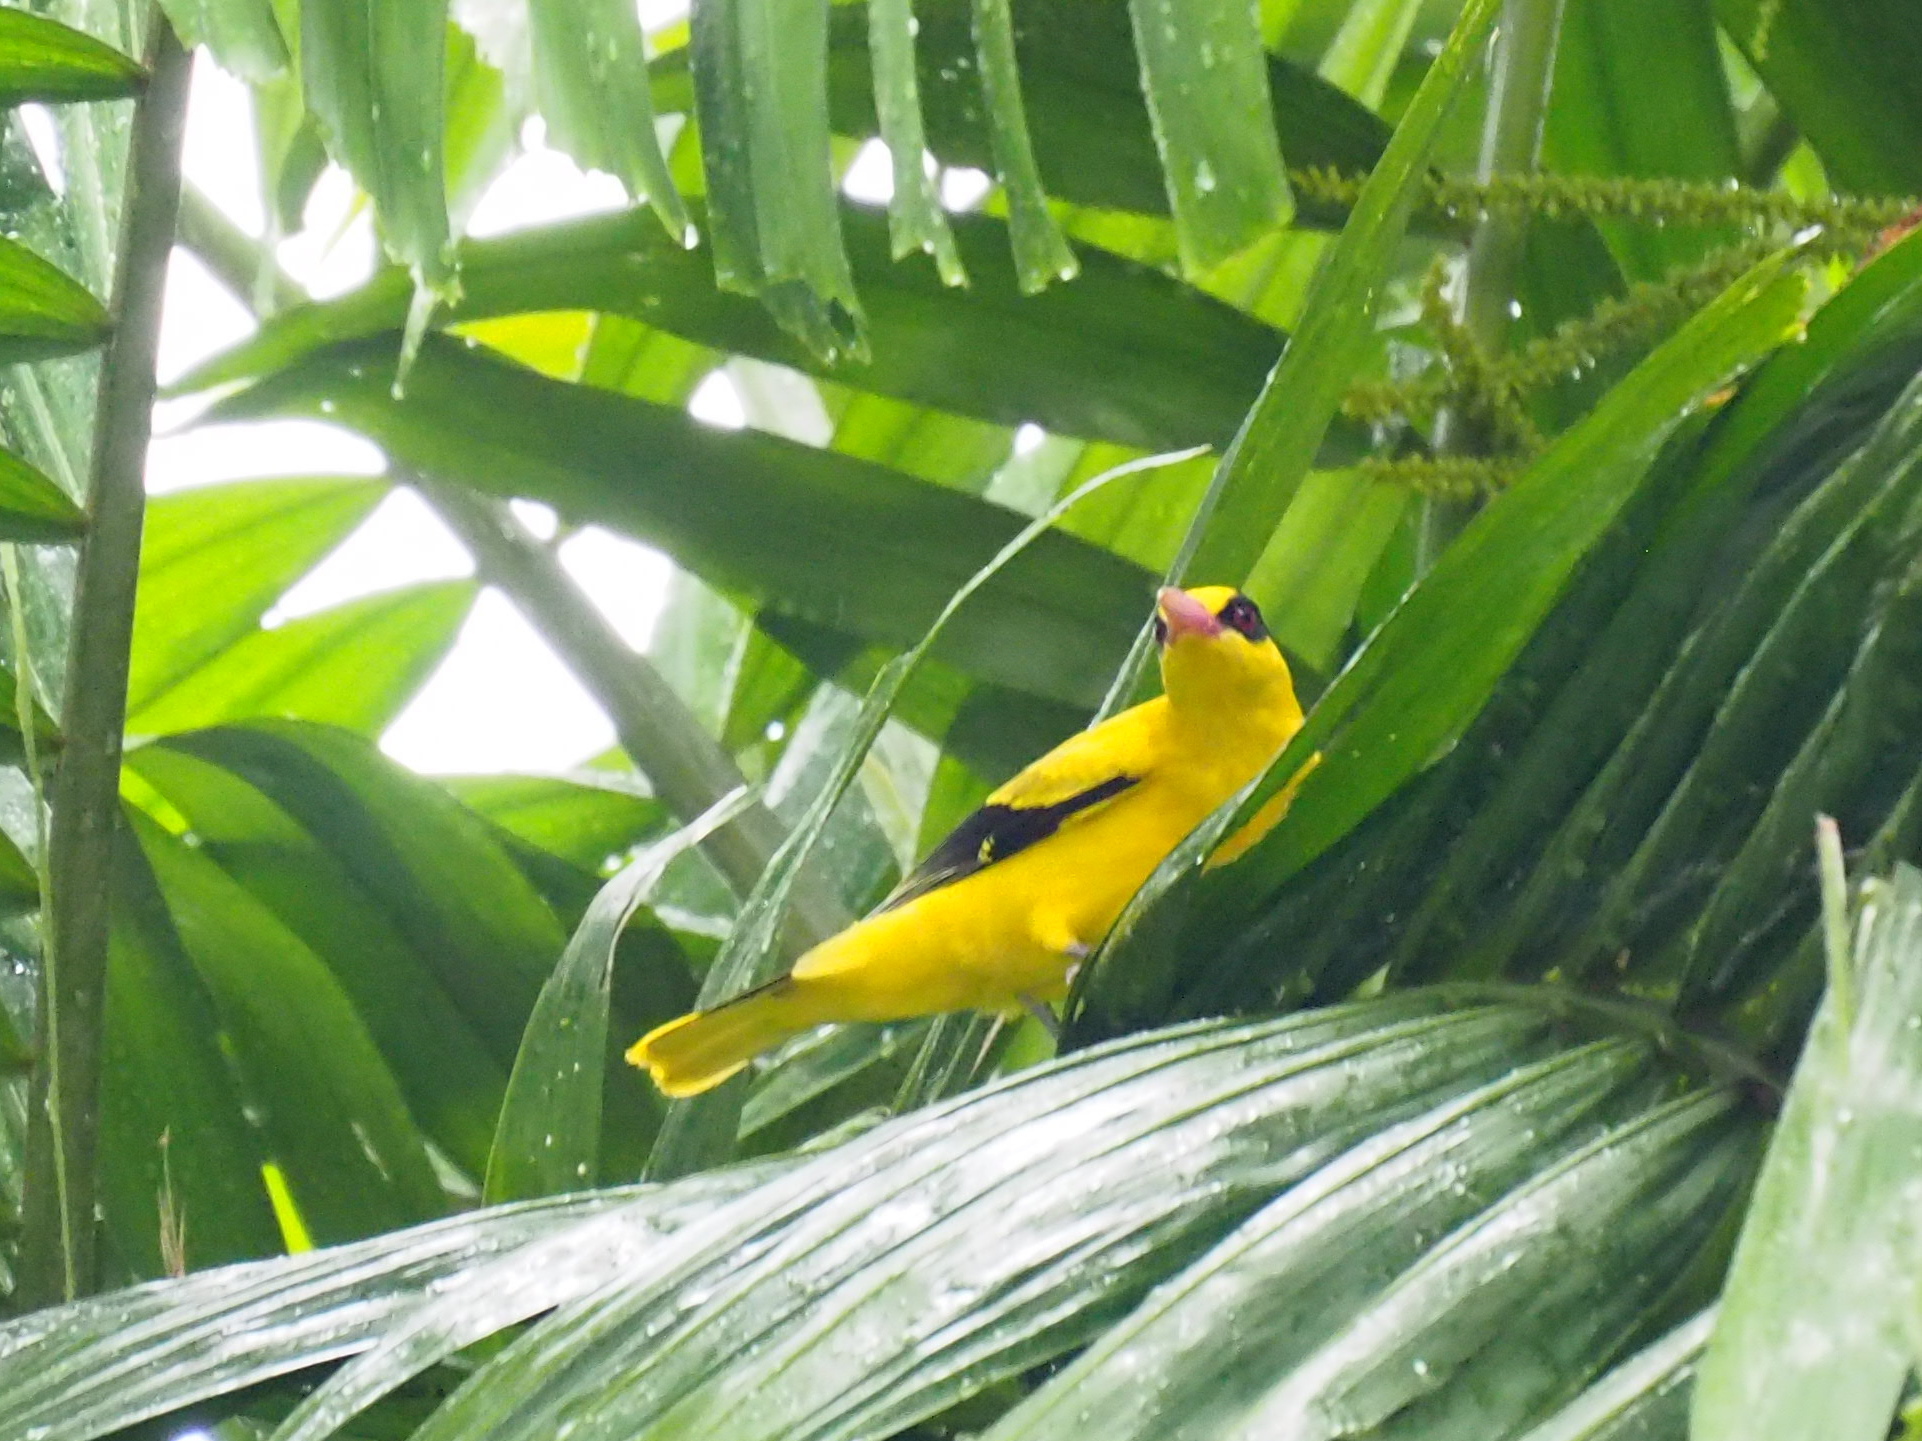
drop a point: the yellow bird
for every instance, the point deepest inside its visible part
(1003, 910)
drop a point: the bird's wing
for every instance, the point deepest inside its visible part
(1070, 782)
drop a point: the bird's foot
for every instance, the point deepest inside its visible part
(1077, 955)
(1044, 1013)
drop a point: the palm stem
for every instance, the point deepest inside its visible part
(58, 1249)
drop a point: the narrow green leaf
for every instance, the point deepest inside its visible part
(43, 312)
(916, 220)
(1850, 79)
(1367, 49)
(1092, 134)
(438, 872)
(19, 881)
(1643, 1398)
(46, 734)
(16, 1058)
(1668, 113)
(41, 59)
(1854, 537)
(1279, 438)
(1871, 729)
(484, 113)
(332, 1115)
(1813, 1337)
(590, 72)
(438, 1054)
(1205, 76)
(1326, 546)
(699, 1126)
(292, 154)
(548, 1140)
(172, 1118)
(355, 665)
(32, 507)
(1124, 354)
(697, 634)
(767, 686)
(1041, 253)
(373, 72)
(817, 534)
(243, 35)
(586, 817)
(760, 80)
(214, 558)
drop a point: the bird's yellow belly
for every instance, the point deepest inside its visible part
(1013, 930)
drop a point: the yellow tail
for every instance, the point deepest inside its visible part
(698, 1051)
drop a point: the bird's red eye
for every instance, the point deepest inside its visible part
(1241, 614)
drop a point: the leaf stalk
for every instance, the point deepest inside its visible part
(59, 1252)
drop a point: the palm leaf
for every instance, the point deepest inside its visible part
(863, 1287)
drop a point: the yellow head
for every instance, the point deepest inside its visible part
(1218, 662)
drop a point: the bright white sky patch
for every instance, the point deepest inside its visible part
(539, 519)
(220, 156)
(870, 178)
(335, 250)
(657, 13)
(717, 402)
(541, 186)
(44, 136)
(256, 449)
(401, 543)
(963, 187)
(627, 580)
(218, 319)
(501, 701)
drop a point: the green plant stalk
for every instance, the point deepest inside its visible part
(1511, 145)
(689, 769)
(59, 1256)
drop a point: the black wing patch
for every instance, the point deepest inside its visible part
(994, 833)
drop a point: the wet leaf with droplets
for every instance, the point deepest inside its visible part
(1818, 1314)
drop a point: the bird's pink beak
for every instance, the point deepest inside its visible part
(1184, 615)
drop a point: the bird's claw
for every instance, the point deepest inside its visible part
(1044, 1013)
